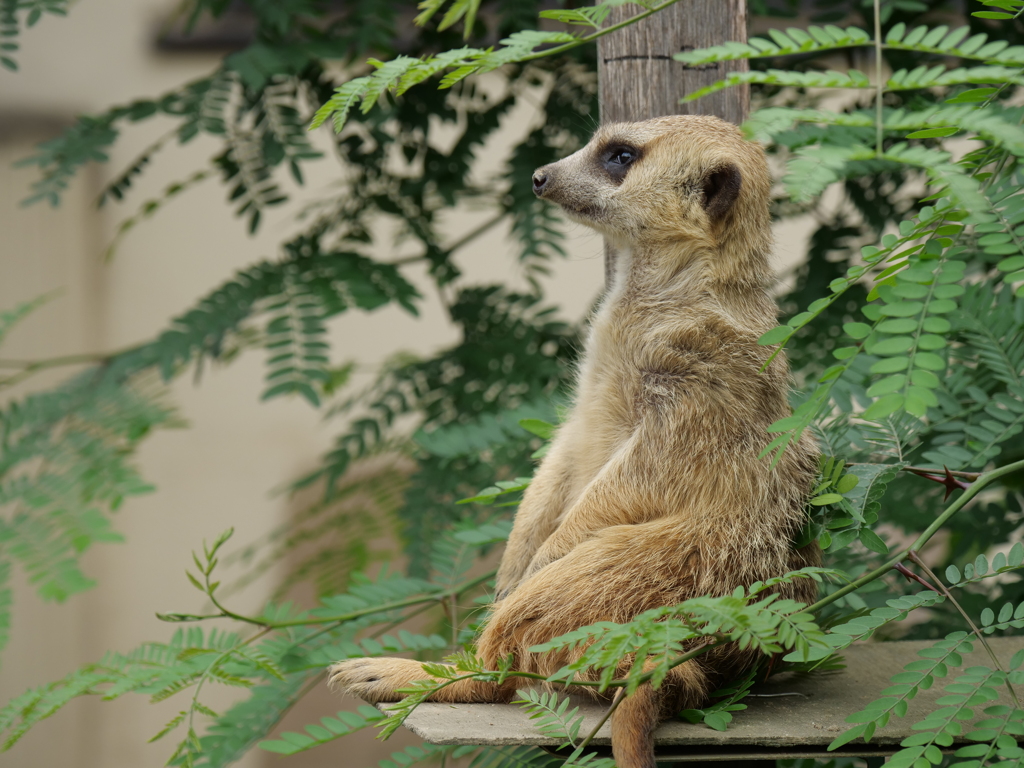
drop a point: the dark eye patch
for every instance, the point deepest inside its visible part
(616, 159)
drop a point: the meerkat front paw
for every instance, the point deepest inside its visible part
(375, 680)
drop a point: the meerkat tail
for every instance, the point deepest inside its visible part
(633, 725)
(636, 717)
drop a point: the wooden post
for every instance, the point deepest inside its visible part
(639, 79)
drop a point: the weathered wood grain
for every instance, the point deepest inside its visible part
(639, 78)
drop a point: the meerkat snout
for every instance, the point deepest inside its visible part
(540, 180)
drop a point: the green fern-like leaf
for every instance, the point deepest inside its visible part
(5, 604)
(979, 570)
(938, 729)
(84, 434)
(413, 755)
(781, 77)
(790, 41)
(11, 317)
(509, 757)
(958, 42)
(329, 729)
(16, 14)
(934, 664)
(402, 72)
(551, 715)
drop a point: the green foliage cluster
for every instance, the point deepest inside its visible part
(14, 14)
(65, 466)
(905, 330)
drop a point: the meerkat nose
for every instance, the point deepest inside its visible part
(540, 181)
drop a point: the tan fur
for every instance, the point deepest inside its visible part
(652, 492)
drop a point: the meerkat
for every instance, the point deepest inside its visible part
(652, 491)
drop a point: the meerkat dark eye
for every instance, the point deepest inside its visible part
(617, 159)
(621, 157)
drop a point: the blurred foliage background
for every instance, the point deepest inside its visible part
(431, 430)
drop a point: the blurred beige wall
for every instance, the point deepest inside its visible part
(220, 471)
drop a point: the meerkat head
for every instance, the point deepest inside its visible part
(683, 178)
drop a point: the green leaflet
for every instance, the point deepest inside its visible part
(490, 494)
(85, 432)
(11, 317)
(991, 324)
(862, 626)
(726, 701)
(790, 41)
(481, 433)
(815, 39)
(1002, 562)
(551, 715)
(934, 663)
(404, 71)
(329, 728)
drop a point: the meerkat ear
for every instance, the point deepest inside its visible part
(721, 188)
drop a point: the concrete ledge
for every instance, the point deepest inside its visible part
(773, 725)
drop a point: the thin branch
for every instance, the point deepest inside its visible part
(600, 33)
(437, 597)
(971, 476)
(616, 700)
(32, 367)
(985, 479)
(879, 82)
(454, 603)
(462, 241)
(474, 233)
(974, 627)
(909, 575)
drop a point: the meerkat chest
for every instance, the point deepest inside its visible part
(614, 373)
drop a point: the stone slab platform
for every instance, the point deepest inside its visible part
(773, 726)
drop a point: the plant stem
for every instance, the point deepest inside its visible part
(616, 700)
(454, 602)
(474, 233)
(879, 83)
(206, 676)
(31, 367)
(437, 597)
(974, 627)
(462, 241)
(600, 33)
(972, 476)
